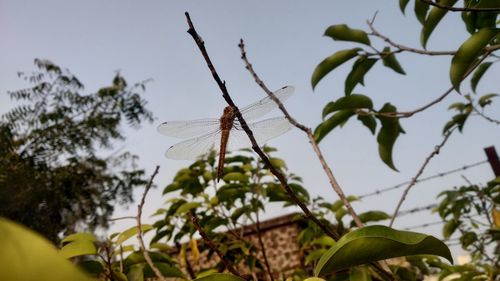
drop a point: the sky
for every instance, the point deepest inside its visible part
(148, 39)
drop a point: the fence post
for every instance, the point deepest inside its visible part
(492, 155)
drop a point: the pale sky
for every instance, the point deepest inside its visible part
(148, 39)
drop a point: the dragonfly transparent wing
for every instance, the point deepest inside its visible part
(263, 131)
(189, 129)
(193, 148)
(265, 105)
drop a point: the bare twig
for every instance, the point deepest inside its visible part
(456, 9)
(402, 48)
(211, 244)
(139, 228)
(222, 85)
(333, 182)
(419, 173)
(262, 247)
(486, 117)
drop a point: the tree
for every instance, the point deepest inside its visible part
(52, 177)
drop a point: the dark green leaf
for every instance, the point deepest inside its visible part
(402, 5)
(486, 99)
(457, 120)
(360, 67)
(373, 243)
(79, 236)
(389, 60)
(340, 117)
(388, 134)
(433, 19)
(421, 9)
(369, 122)
(449, 228)
(371, 216)
(353, 101)
(331, 63)
(478, 74)
(468, 53)
(343, 32)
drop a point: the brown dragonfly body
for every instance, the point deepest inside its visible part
(226, 133)
(226, 124)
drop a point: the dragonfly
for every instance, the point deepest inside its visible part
(226, 133)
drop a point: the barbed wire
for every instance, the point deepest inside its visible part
(424, 225)
(438, 175)
(417, 209)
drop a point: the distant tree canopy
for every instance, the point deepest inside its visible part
(51, 177)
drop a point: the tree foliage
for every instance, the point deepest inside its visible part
(52, 178)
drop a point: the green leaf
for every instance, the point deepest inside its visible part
(323, 241)
(92, 267)
(468, 53)
(450, 227)
(478, 74)
(186, 207)
(278, 163)
(353, 101)
(314, 279)
(135, 273)
(458, 120)
(371, 216)
(433, 19)
(26, 256)
(421, 9)
(343, 32)
(314, 256)
(235, 176)
(79, 236)
(360, 67)
(388, 134)
(78, 248)
(166, 270)
(360, 273)
(402, 5)
(374, 243)
(220, 277)
(340, 117)
(390, 61)
(486, 99)
(331, 63)
(125, 235)
(369, 122)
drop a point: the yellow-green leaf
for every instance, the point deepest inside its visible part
(468, 53)
(432, 20)
(220, 277)
(78, 248)
(486, 99)
(26, 256)
(377, 242)
(330, 63)
(235, 176)
(125, 235)
(79, 236)
(186, 207)
(360, 273)
(343, 32)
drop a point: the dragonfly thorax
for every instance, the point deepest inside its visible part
(227, 118)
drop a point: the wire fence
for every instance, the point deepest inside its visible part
(438, 175)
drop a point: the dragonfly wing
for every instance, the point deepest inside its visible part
(189, 129)
(192, 149)
(263, 131)
(265, 105)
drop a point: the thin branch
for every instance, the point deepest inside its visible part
(486, 117)
(333, 182)
(211, 244)
(123, 218)
(464, 9)
(403, 48)
(222, 85)
(419, 173)
(261, 243)
(139, 228)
